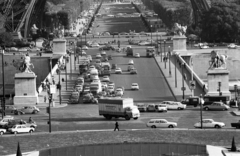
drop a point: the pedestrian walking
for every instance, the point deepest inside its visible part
(45, 99)
(116, 126)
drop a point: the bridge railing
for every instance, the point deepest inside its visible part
(190, 70)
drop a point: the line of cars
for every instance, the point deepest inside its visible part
(163, 123)
(15, 126)
(160, 107)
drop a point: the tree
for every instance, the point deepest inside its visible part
(63, 18)
(233, 147)
(6, 39)
(221, 23)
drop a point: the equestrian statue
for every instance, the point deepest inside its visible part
(218, 60)
(179, 30)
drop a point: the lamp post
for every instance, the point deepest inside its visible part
(151, 33)
(3, 81)
(50, 99)
(165, 58)
(175, 70)
(66, 71)
(161, 46)
(183, 88)
(169, 57)
(59, 84)
(201, 103)
(157, 43)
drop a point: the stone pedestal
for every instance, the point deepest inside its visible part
(59, 46)
(179, 43)
(25, 89)
(39, 43)
(215, 76)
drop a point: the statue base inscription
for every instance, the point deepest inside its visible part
(179, 43)
(218, 78)
(25, 89)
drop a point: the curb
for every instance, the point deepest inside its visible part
(171, 90)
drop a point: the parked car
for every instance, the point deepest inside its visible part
(142, 107)
(27, 110)
(174, 105)
(107, 47)
(111, 84)
(204, 47)
(130, 62)
(21, 129)
(151, 107)
(137, 55)
(79, 88)
(2, 131)
(105, 78)
(94, 44)
(84, 48)
(161, 123)
(110, 89)
(130, 67)
(216, 106)
(119, 92)
(135, 86)
(8, 109)
(236, 124)
(232, 46)
(209, 123)
(5, 120)
(161, 107)
(133, 71)
(144, 43)
(11, 123)
(118, 71)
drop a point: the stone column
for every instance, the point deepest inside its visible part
(25, 89)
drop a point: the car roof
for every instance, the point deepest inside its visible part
(156, 119)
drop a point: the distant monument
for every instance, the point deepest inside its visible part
(179, 38)
(25, 84)
(218, 75)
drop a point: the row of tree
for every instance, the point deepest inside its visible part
(220, 24)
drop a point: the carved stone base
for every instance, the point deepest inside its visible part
(179, 43)
(25, 89)
(214, 77)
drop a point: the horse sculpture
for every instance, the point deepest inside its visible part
(179, 30)
(217, 60)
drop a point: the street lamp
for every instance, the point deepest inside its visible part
(161, 46)
(169, 56)
(59, 83)
(176, 70)
(3, 82)
(183, 88)
(151, 33)
(201, 103)
(165, 58)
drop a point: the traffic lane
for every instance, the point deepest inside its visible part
(84, 117)
(152, 84)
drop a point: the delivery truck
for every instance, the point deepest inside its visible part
(118, 107)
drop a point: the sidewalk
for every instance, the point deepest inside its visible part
(176, 90)
(66, 86)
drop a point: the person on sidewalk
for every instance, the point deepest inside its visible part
(45, 99)
(116, 126)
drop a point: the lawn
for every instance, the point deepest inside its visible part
(8, 145)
